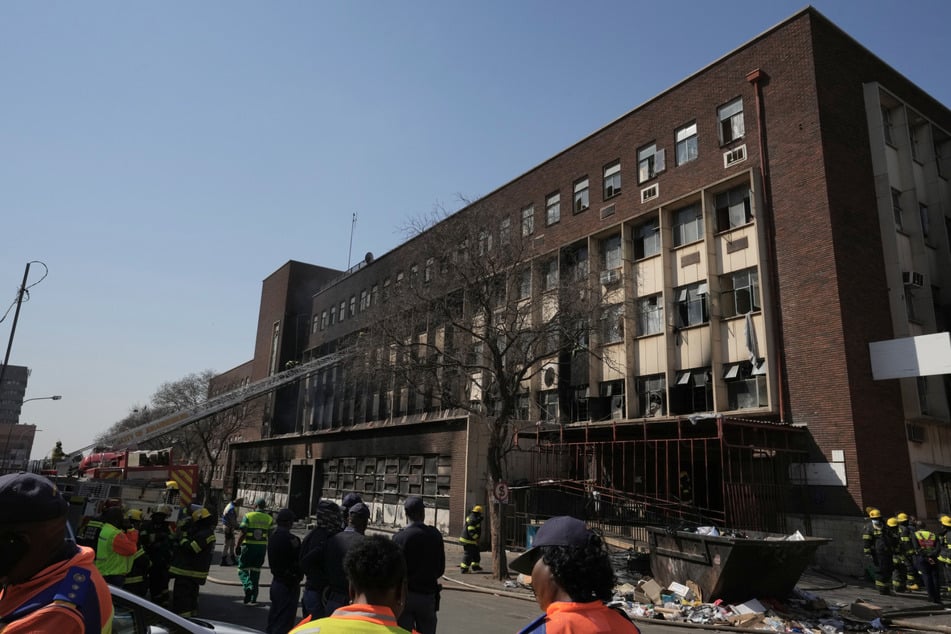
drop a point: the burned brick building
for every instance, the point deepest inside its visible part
(746, 234)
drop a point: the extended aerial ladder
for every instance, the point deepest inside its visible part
(182, 418)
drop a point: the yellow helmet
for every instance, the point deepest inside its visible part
(134, 514)
(902, 517)
(893, 522)
(171, 484)
(477, 509)
(873, 512)
(946, 521)
(200, 514)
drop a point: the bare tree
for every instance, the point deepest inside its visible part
(204, 442)
(479, 312)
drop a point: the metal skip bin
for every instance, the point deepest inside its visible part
(731, 568)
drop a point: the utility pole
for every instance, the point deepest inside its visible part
(353, 223)
(6, 358)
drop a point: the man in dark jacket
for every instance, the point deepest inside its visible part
(283, 554)
(327, 524)
(425, 563)
(337, 593)
(191, 562)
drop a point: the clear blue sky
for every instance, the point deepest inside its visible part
(163, 158)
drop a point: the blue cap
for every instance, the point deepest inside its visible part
(360, 509)
(563, 530)
(28, 497)
(350, 499)
(413, 504)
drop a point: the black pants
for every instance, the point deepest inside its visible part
(158, 585)
(185, 596)
(929, 576)
(419, 613)
(282, 615)
(470, 555)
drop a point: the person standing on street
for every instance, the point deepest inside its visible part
(283, 554)
(471, 532)
(926, 560)
(572, 579)
(877, 548)
(229, 519)
(345, 505)
(425, 556)
(116, 546)
(251, 546)
(377, 589)
(159, 545)
(191, 562)
(337, 594)
(137, 578)
(906, 532)
(47, 584)
(327, 524)
(944, 554)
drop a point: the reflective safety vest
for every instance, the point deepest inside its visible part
(472, 530)
(356, 619)
(108, 561)
(256, 526)
(927, 543)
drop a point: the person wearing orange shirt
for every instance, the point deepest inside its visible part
(47, 584)
(572, 579)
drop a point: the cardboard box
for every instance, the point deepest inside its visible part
(652, 589)
(865, 611)
(750, 607)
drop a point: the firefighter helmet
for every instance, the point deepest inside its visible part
(477, 509)
(163, 509)
(200, 514)
(892, 521)
(902, 517)
(134, 515)
(171, 484)
(873, 512)
(946, 521)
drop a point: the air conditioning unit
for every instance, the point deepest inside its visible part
(607, 211)
(609, 277)
(912, 279)
(735, 155)
(649, 193)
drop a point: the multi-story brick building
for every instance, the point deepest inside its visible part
(750, 231)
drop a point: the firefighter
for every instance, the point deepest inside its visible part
(944, 554)
(470, 541)
(191, 562)
(899, 571)
(157, 541)
(136, 580)
(878, 550)
(926, 560)
(908, 550)
(116, 546)
(251, 547)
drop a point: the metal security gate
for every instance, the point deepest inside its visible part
(626, 476)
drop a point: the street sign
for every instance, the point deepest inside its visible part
(501, 492)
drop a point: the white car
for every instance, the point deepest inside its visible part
(135, 615)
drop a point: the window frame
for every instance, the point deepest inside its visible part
(581, 198)
(736, 286)
(678, 226)
(528, 220)
(732, 125)
(743, 378)
(686, 138)
(897, 213)
(552, 209)
(650, 315)
(646, 387)
(611, 178)
(651, 162)
(725, 212)
(641, 241)
(688, 300)
(612, 324)
(610, 248)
